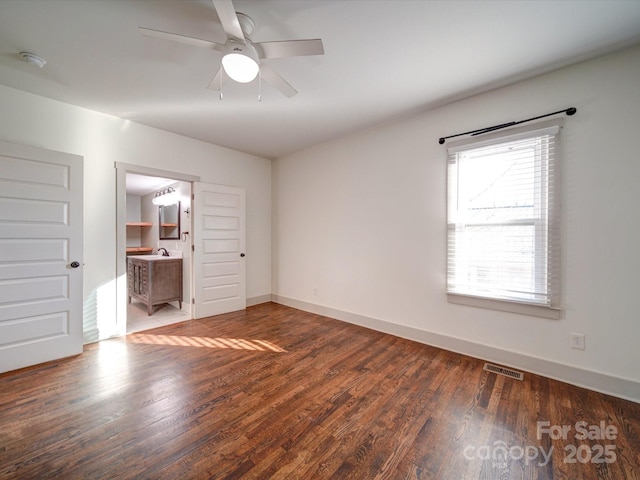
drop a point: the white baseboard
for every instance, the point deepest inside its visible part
(258, 300)
(597, 381)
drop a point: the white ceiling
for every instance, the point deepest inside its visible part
(141, 185)
(383, 59)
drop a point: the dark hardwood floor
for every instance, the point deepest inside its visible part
(274, 392)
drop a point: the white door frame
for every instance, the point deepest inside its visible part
(121, 230)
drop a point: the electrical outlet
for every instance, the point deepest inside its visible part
(577, 341)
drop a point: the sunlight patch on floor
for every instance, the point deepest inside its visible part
(138, 320)
(208, 342)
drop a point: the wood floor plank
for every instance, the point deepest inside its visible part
(274, 392)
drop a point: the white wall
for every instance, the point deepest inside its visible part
(103, 140)
(359, 228)
(134, 209)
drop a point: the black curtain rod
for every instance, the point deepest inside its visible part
(480, 131)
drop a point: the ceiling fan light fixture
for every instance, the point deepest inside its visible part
(241, 63)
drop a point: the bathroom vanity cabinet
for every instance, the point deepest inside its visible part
(154, 279)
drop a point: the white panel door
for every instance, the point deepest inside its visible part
(40, 255)
(219, 243)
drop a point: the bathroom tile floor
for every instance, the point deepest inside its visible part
(138, 320)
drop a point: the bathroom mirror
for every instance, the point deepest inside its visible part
(169, 225)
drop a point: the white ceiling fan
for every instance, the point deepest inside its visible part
(241, 59)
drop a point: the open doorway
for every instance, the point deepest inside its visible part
(156, 236)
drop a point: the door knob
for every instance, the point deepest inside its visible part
(74, 265)
(242, 254)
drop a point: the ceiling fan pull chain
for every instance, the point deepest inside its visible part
(221, 80)
(259, 86)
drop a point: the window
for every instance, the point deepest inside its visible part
(503, 232)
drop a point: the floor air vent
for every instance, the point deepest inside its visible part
(507, 372)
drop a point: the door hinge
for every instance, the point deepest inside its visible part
(193, 196)
(193, 248)
(193, 301)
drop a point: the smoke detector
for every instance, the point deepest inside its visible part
(33, 59)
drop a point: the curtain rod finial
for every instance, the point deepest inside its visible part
(441, 141)
(571, 111)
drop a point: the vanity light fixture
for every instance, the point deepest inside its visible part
(166, 196)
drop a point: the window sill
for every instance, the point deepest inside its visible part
(505, 306)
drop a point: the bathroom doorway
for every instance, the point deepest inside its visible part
(145, 231)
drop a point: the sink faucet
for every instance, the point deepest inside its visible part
(164, 252)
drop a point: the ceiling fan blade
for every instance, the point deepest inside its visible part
(275, 80)
(289, 48)
(217, 81)
(229, 20)
(174, 37)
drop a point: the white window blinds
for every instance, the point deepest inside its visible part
(503, 230)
